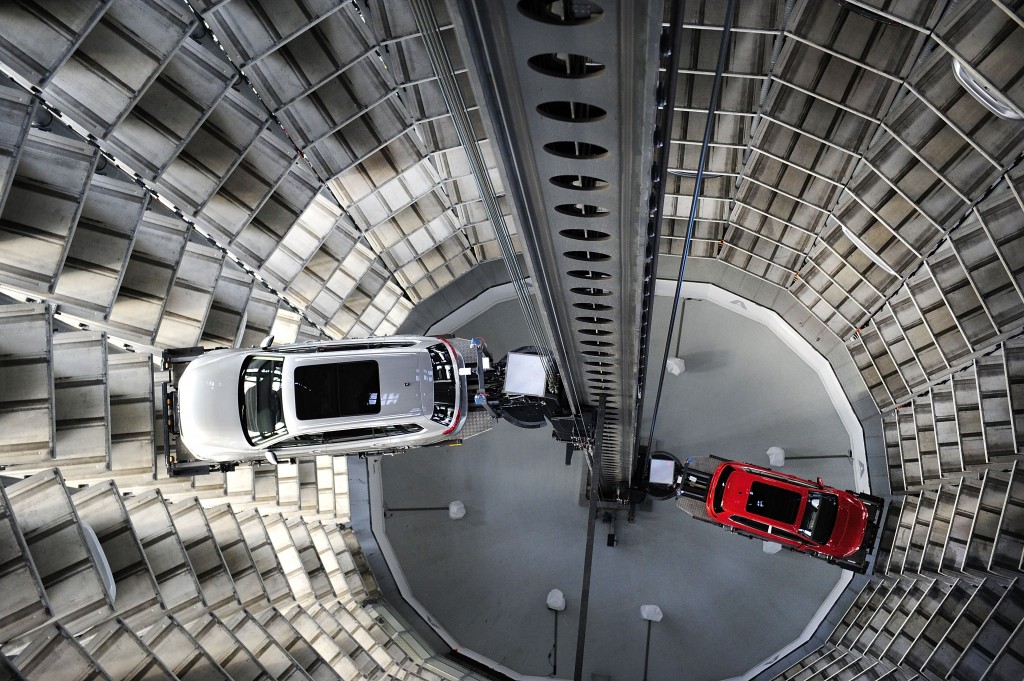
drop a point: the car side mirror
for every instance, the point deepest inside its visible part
(267, 342)
(820, 483)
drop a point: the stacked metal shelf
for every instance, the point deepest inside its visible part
(173, 589)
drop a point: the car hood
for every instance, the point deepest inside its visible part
(851, 522)
(209, 419)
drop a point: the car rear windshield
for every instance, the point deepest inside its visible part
(260, 398)
(776, 503)
(820, 516)
(445, 375)
(325, 391)
(719, 494)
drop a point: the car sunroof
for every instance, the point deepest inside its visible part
(773, 502)
(324, 391)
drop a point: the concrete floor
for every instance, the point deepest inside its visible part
(485, 578)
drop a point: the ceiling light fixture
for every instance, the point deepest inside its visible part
(865, 12)
(987, 96)
(874, 257)
(692, 174)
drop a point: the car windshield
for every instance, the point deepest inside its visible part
(776, 503)
(719, 494)
(260, 399)
(820, 516)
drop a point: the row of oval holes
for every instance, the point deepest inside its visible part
(562, 65)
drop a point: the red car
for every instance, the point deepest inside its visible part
(797, 513)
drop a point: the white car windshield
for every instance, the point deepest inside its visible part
(260, 399)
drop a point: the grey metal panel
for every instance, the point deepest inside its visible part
(205, 558)
(366, 632)
(265, 556)
(250, 183)
(992, 641)
(190, 296)
(963, 631)
(326, 49)
(226, 649)
(213, 150)
(331, 622)
(359, 138)
(27, 405)
(123, 655)
(171, 109)
(231, 294)
(307, 651)
(68, 570)
(82, 402)
(961, 525)
(37, 37)
(326, 646)
(137, 598)
(984, 36)
(254, 28)
(293, 195)
(290, 562)
(99, 249)
(180, 652)
(17, 108)
(305, 234)
(258, 317)
(1009, 547)
(322, 266)
(42, 208)
(271, 653)
(322, 586)
(25, 606)
(359, 661)
(237, 558)
(149, 275)
(130, 381)
(179, 587)
(988, 520)
(55, 653)
(117, 60)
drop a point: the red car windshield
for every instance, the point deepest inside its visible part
(820, 516)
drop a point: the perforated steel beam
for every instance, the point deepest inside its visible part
(569, 94)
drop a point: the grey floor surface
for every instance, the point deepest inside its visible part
(727, 604)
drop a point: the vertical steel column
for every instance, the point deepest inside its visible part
(583, 243)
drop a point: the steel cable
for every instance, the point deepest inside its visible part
(705, 144)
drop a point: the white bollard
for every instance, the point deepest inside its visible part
(456, 510)
(675, 366)
(776, 456)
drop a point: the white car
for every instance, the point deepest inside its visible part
(334, 397)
